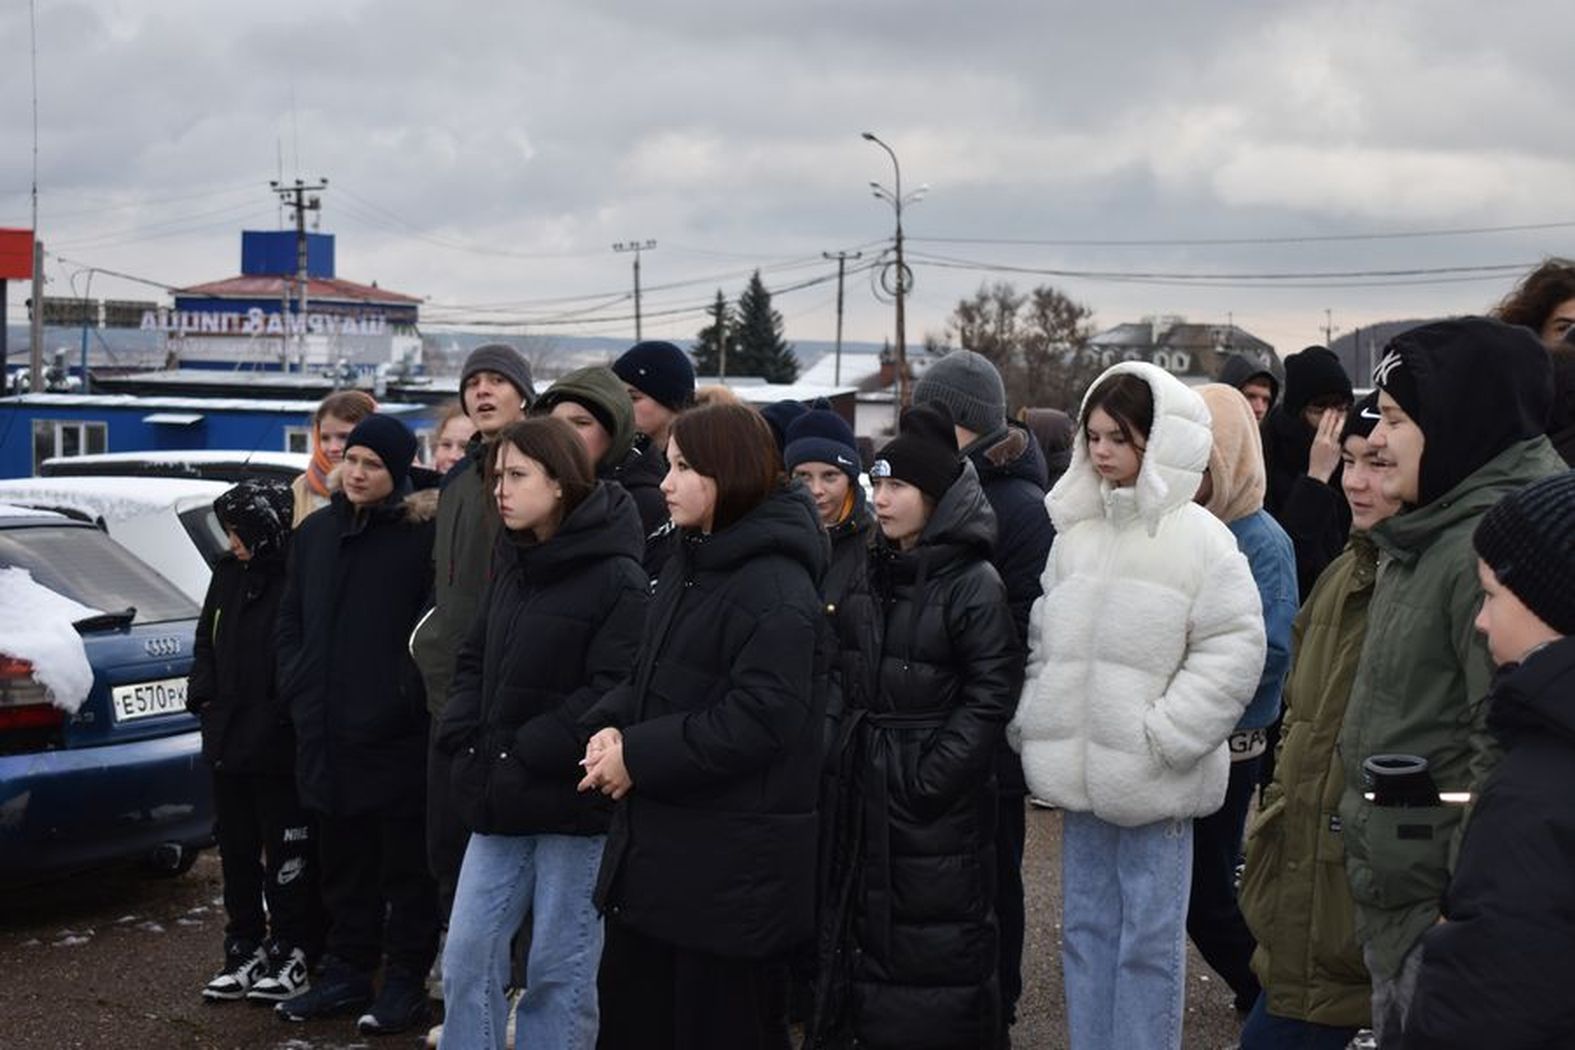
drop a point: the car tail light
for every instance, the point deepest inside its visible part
(24, 703)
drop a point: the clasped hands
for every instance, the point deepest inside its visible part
(603, 763)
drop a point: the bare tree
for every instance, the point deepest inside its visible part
(1039, 341)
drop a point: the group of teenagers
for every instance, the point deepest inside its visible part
(689, 743)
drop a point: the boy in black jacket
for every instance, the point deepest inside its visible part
(1494, 970)
(266, 838)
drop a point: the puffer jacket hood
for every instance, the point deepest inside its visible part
(1236, 460)
(601, 526)
(963, 517)
(776, 526)
(1173, 461)
(596, 386)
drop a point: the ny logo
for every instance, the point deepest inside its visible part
(1390, 362)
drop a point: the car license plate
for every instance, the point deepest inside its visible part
(148, 699)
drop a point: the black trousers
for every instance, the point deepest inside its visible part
(658, 996)
(1214, 921)
(378, 892)
(447, 835)
(267, 852)
(1011, 832)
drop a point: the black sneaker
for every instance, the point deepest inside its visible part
(401, 1005)
(339, 989)
(288, 977)
(244, 964)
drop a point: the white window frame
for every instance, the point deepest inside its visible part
(305, 436)
(58, 428)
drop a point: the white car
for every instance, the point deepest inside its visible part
(167, 522)
(213, 464)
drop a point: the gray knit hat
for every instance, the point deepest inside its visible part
(970, 386)
(506, 362)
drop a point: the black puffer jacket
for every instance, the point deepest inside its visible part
(559, 627)
(232, 689)
(357, 584)
(641, 473)
(1314, 515)
(714, 848)
(1013, 474)
(1495, 973)
(909, 935)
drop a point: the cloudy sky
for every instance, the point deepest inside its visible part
(1263, 161)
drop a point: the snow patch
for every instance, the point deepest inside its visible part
(35, 625)
(150, 927)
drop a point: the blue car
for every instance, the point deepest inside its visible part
(123, 778)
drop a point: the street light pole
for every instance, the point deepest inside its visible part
(901, 292)
(636, 247)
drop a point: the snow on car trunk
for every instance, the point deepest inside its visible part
(36, 626)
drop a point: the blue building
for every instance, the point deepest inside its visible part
(35, 427)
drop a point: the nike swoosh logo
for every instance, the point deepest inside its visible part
(1371, 413)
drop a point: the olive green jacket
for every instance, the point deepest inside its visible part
(1420, 686)
(1294, 893)
(467, 532)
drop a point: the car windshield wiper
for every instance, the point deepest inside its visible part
(109, 620)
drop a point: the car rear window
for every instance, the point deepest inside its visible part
(87, 566)
(202, 525)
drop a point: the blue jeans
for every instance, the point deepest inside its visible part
(1124, 937)
(502, 878)
(1265, 1031)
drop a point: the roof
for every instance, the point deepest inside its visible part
(185, 404)
(752, 390)
(319, 289)
(111, 498)
(1180, 336)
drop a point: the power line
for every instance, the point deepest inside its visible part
(1185, 242)
(1247, 279)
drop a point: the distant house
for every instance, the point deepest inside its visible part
(873, 375)
(1191, 352)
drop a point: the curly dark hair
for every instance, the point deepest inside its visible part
(1535, 297)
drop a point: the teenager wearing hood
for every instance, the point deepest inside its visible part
(713, 750)
(558, 627)
(1146, 648)
(1544, 301)
(595, 402)
(1496, 971)
(360, 572)
(1462, 405)
(1232, 491)
(1316, 990)
(1053, 429)
(1012, 473)
(336, 416)
(495, 390)
(1301, 453)
(909, 952)
(1257, 383)
(267, 840)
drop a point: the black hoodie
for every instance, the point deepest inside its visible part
(1496, 972)
(1238, 370)
(1314, 514)
(714, 848)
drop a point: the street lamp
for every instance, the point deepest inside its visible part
(903, 279)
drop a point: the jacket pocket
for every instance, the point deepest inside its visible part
(1265, 866)
(468, 773)
(677, 688)
(1407, 855)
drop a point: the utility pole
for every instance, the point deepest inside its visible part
(295, 196)
(903, 279)
(37, 361)
(636, 247)
(842, 264)
(1328, 327)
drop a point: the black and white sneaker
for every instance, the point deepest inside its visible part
(244, 965)
(289, 977)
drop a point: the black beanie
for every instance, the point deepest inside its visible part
(506, 362)
(1362, 418)
(259, 510)
(1528, 540)
(1315, 372)
(393, 442)
(659, 370)
(1474, 385)
(780, 415)
(924, 452)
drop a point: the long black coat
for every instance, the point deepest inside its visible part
(714, 848)
(1314, 515)
(909, 942)
(233, 685)
(1496, 973)
(559, 626)
(641, 473)
(357, 584)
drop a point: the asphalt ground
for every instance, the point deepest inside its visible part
(118, 959)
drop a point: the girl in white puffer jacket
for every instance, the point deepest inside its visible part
(1145, 648)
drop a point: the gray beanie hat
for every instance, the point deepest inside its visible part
(969, 385)
(506, 362)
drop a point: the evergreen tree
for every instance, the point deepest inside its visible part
(761, 349)
(722, 331)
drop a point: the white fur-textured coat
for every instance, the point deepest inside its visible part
(1148, 641)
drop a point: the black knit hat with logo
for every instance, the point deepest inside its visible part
(393, 442)
(659, 370)
(1362, 418)
(1528, 540)
(924, 452)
